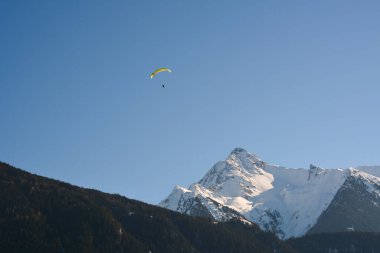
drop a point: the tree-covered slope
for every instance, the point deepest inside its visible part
(38, 214)
(342, 242)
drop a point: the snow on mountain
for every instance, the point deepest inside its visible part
(283, 200)
(372, 170)
(371, 182)
(298, 198)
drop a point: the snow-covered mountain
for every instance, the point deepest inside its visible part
(289, 202)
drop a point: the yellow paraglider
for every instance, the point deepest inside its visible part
(158, 71)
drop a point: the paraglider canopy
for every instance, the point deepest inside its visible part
(158, 71)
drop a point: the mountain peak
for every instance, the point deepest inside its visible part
(242, 158)
(241, 153)
(279, 199)
(238, 150)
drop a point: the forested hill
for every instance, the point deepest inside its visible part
(342, 242)
(38, 214)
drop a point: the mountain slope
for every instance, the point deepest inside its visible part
(44, 215)
(356, 206)
(288, 202)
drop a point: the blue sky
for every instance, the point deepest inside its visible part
(295, 82)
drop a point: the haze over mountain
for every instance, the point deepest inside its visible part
(289, 202)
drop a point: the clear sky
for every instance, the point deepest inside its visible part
(295, 82)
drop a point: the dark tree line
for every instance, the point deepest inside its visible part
(347, 242)
(44, 215)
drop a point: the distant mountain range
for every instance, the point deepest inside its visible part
(288, 202)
